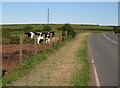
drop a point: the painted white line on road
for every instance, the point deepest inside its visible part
(94, 68)
(95, 72)
(109, 39)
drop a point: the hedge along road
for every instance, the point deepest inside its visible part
(57, 70)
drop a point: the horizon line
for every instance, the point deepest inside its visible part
(61, 23)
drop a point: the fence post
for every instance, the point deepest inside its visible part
(21, 49)
(35, 44)
(59, 37)
(66, 33)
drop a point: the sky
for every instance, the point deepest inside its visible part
(60, 0)
(102, 13)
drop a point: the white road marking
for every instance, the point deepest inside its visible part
(95, 72)
(94, 68)
(110, 39)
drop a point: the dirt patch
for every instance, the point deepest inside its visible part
(10, 54)
(27, 47)
(55, 71)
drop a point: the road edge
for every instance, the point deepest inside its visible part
(93, 72)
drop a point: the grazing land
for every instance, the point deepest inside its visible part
(50, 70)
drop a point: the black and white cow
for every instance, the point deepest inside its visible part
(31, 34)
(47, 37)
(40, 36)
(53, 35)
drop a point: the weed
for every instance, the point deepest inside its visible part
(82, 76)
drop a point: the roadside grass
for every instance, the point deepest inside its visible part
(30, 62)
(82, 76)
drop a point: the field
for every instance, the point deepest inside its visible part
(10, 38)
(39, 27)
(11, 41)
(11, 32)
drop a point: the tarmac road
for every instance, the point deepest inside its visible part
(104, 52)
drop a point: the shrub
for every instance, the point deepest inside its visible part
(46, 28)
(28, 28)
(8, 38)
(6, 33)
(15, 40)
(69, 29)
(116, 29)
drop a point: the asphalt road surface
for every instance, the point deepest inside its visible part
(104, 52)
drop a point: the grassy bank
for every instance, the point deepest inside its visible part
(30, 62)
(82, 76)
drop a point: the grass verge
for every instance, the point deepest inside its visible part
(30, 62)
(82, 76)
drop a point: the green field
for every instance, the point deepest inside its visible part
(55, 26)
(10, 33)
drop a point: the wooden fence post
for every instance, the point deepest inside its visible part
(21, 49)
(35, 44)
(60, 36)
(66, 33)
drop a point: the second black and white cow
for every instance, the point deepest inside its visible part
(47, 36)
(40, 37)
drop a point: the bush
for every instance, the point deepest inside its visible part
(69, 29)
(46, 28)
(8, 38)
(28, 28)
(15, 40)
(116, 29)
(11, 40)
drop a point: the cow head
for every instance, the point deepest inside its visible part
(30, 34)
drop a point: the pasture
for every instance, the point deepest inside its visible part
(10, 32)
(13, 46)
(11, 38)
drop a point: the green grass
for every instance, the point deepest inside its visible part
(30, 62)
(82, 76)
(11, 31)
(55, 26)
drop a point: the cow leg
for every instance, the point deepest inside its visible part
(49, 41)
(38, 41)
(46, 41)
